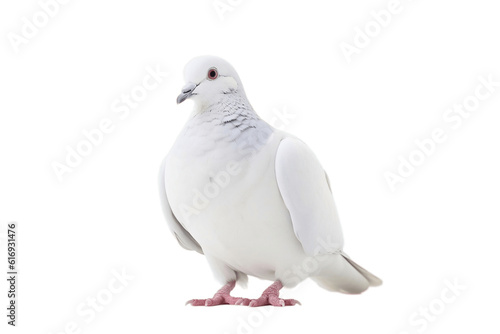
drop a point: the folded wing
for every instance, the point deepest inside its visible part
(184, 238)
(303, 184)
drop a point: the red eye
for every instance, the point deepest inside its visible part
(212, 73)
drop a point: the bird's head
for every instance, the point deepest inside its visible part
(208, 79)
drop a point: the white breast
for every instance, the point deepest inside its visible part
(225, 194)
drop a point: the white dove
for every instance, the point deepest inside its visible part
(253, 199)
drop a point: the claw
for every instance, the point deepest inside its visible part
(221, 297)
(242, 301)
(270, 296)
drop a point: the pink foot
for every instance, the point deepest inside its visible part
(270, 296)
(221, 297)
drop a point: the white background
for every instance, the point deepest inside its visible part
(440, 224)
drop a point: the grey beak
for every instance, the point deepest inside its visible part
(187, 91)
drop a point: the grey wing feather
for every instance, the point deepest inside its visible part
(372, 279)
(184, 238)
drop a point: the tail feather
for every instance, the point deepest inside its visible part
(372, 279)
(341, 274)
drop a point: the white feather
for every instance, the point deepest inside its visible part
(304, 187)
(254, 200)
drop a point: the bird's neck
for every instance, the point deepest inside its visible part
(225, 103)
(230, 120)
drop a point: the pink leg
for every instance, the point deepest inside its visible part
(270, 296)
(221, 297)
